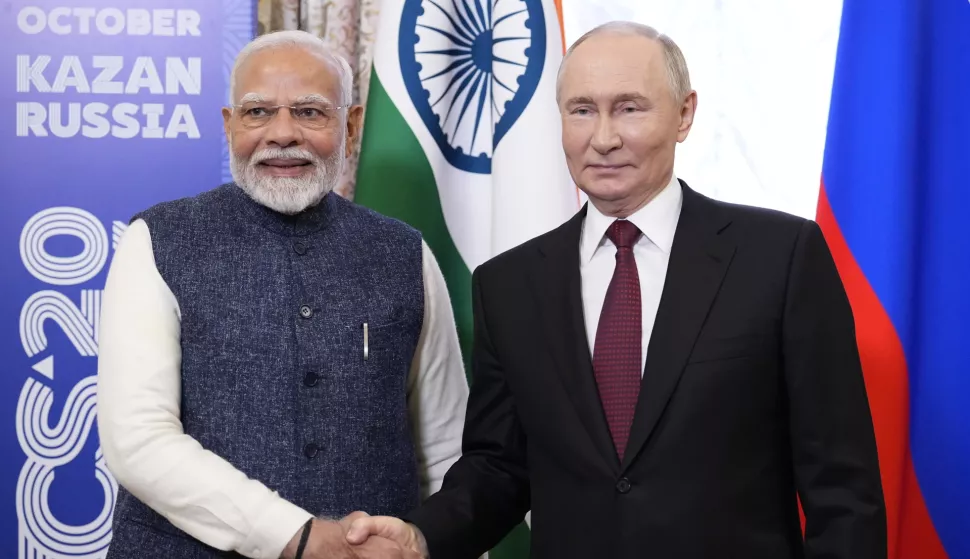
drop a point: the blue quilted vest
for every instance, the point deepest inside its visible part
(274, 376)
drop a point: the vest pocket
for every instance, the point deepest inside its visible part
(379, 350)
(371, 391)
(365, 427)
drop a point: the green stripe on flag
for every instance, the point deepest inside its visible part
(395, 178)
(514, 546)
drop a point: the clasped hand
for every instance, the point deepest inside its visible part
(364, 528)
(360, 536)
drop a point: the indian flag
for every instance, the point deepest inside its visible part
(462, 136)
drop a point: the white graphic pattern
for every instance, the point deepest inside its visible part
(42, 535)
(51, 442)
(118, 229)
(64, 270)
(58, 445)
(79, 325)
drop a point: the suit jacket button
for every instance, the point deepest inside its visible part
(311, 450)
(311, 379)
(624, 485)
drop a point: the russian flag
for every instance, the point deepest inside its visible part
(895, 209)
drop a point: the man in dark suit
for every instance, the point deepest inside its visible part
(664, 375)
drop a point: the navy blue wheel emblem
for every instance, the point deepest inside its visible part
(471, 67)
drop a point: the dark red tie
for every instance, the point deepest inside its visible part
(616, 355)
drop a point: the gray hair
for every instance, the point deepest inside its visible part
(301, 39)
(674, 59)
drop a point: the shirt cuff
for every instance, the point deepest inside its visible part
(274, 529)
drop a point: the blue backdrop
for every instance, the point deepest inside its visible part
(105, 109)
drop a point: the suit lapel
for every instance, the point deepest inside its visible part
(557, 287)
(699, 258)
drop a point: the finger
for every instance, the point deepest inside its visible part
(346, 521)
(376, 546)
(383, 526)
(361, 529)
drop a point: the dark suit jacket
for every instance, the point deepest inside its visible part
(752, 394)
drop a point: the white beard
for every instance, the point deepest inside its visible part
(288, 195)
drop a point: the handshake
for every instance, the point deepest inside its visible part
(359, 536)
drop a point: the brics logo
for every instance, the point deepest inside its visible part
(51, 441)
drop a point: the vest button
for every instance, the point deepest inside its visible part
(306, 311)
(311, 379)
(299, 247)
(623, 485)
(311, 450)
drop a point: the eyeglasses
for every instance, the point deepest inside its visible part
(308, 115)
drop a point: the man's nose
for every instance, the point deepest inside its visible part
(605, 137)
(283, 130)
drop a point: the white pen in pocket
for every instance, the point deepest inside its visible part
(365, 341)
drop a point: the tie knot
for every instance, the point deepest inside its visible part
(623, 233)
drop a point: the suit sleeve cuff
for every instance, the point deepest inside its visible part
(421, 518)
(273, 529)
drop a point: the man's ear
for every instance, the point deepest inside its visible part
(355, 119)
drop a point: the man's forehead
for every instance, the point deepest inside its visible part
(261, 96)
(613, 53)
(294, 55)
(272, 67)
(609, 78)
(611, 65)
(286, 88)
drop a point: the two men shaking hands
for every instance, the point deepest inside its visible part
(664, 375)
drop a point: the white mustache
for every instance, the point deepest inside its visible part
(283, 153)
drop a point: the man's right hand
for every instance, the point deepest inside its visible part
(406, 535)
(328, 540)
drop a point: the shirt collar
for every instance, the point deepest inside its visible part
(657, 221)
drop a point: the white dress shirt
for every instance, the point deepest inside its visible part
(657, 221)
(139, 384)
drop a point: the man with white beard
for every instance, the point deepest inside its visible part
(272, 356)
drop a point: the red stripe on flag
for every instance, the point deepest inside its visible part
(917, 536)
(910, 530)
